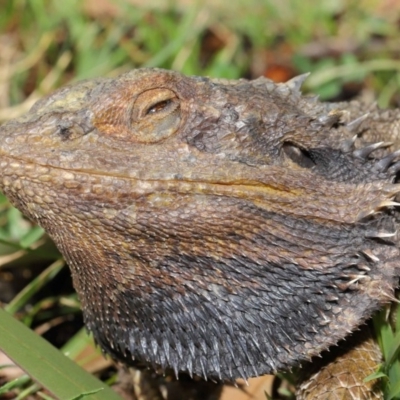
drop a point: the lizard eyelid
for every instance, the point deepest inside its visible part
(155, 103)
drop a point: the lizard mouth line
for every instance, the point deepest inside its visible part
(268, 195)
(241, 184)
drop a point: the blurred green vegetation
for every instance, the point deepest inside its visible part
(46, 44)
(351, 47)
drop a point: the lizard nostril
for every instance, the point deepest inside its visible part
(69, 131)
(64, 131)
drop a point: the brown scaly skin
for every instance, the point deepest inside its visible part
(220, 228)
(340, 373)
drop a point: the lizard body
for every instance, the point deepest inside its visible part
(220, 228)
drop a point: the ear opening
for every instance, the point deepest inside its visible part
(300, 156)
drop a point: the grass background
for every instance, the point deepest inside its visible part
(351, 47)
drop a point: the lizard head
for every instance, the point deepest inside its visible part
(220, 228)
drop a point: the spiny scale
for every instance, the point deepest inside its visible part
(297, 82)
(367, 150)
(384, 163)
(348, 145)
(331, 119)
(355, 125)
(370, 255)
(395, 168)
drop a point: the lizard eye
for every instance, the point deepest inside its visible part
(159, 107)
(156, 115)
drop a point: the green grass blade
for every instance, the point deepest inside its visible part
(48, 366)
(15, 383)
(185, 31)
(47, 275)
(384, 332)
(78, 343)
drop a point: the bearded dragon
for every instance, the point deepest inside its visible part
(219, 228)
